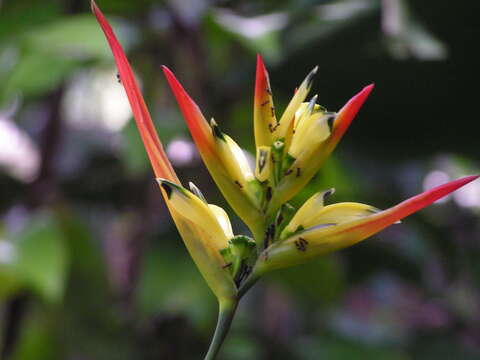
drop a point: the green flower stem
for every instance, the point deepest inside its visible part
(226, 313)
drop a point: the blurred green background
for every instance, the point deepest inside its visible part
(91, 266)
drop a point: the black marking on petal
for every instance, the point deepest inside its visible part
(269, 92)
(268, 194)
(216, 132)
(167, 187)
(265, 103)
(327, 193)
(331, 120)
(272, 109)
(279, 218)
(288, 172)
(262, 160)
(227, 265)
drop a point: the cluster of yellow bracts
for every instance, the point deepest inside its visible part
(290, 151)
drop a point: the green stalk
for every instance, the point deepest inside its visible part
(226, 313)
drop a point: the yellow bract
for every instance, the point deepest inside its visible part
(332, 228)
(311, 129)
(311, 207)
(294, 105)
(205, 230)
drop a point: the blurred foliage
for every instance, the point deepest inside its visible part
(90, 264)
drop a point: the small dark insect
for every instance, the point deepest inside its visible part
(272, 109)
(238, 184)
(227, 265)
(269, 92)
(265, 103)
(119, 79)
(298, 172)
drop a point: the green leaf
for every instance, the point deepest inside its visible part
(42, 258)
(37, 338)
(76, 37)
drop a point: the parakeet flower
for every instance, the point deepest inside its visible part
(289, 152)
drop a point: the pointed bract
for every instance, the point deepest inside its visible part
(264, 119)
(300, 95)
(303, 169)
(160, 163)
(327, 237)
(205, 230)
(223, 157)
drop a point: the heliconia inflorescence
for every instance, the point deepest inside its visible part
(290, 150)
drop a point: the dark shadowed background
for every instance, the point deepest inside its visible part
(91, 266)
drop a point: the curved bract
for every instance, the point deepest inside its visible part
(197, 223)
(223, 157)
(341, 225)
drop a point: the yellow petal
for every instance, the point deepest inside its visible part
(222, 219)
(312, 130)
(292, 107)
(196, 211)
(338, 214)
(313, 206)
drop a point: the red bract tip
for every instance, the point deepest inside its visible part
(160, 163)
(375, 223)
(198, 126)
(349, 111)
(261, 81)
(418, 202)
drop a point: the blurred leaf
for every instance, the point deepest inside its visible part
(76, 37)
(259, 34)
(36, 73)
(171, 283)
(18, 16)
(51, 52)
(437, 349)
(42, 257)
(9, 282)
(312, 25)
(406, 36)
(320, 281)
(133, 152)
(335, 349)
(37, 338)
